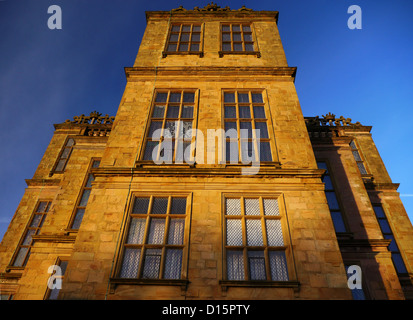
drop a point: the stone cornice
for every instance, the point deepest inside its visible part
(287, 73)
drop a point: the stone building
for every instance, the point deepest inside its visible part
(209, 184)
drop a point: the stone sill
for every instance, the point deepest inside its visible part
(262, 284)
(114, 282)
(183, 53)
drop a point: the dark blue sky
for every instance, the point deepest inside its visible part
(48, 76)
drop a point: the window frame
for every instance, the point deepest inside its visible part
(252, 120)
(200, 52)
(28, 227)
(355, 148)
(116, 278)
(286, 248)
(59, 157)
(254, 41)
(334, 190)
(80, 196)
(147, 138)
(392, 235)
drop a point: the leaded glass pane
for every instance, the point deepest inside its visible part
(153, 133)
(152, 264)
(136, 231)
(170, 129)
(265, 151)
(356, 155)
(78, 218)
(173, 112)
(141, 205)
(262, 127)
(361, 167)
(85, 198)
(332, 200)
(244, 112)
(231, 152)
(70, 142)
(178, 206)
(160, 205)
(189, 97)
(175, 97)
(274, 233)
(254, 233)
(234, 232)
(60, 165)
(158, 112)
(271, 207)
(18, 262)
(187, 112)
(89, 181)
(278, 266)
(36, 220)
(229, 97)
(130, 263)
(42, 207)
(161, 97)
(173, 264)
(230, 112)
(65, 153)
(156, 231)
(252, 207)
(151, 150)
(338, 222)
(235, 265)
(237, 47)
(256, 263)
(243, 98)
(176, 231)
(233, 206)
(28, 238)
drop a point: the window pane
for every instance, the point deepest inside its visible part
(265, 151)
(322, 165)
(170, 129)
(189, 97)
(187, 112)
(231, 125)
(196, 37)
(247, 150)
(237, 47)
(338, 222)
(254, 233)
(256, 263)
(183, 47)
(392, 245)
(245, 129)
(36, 220)
(259, 112)
(156, 231)
(271, 207)
(173, 264)
(328, 184)
(152, 264)
(274, 233)
(398, 263)
(185, 37)
(172, 47)
(89, 181)
(244, 112)
(176, 28)
(186, 28)
(278, 266)
(173, 112)
(262, 126)
(70, 142)
(178, 206)
(160, 205)
(130, 263)
(233, 206)
(161, 97)
(18, 262)
(65, 153)
(252, 207)
(195, 47)
(196, 28)
(60, 165)
(173, 37)
(361, 167)
(230, 112)
(248, 37)
(249, 47)
(226, 46)
(226, 37)
(229, 97)
(226, 28)
(235, 265)
(236, 28)
(155, 125)
(246, 28)
(379, 212)
(175, 97)
(332, 200)
(141, 205)
(356, 155)
(158, 112)
(243, 98)
(234, 232)
(176, 231)
(85, 198)
(231, 152)
(78, 219)
(186, 130)
(236, 37)
(28, 238)
(136, 231)
(385, 228)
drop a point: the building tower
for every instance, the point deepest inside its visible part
(209, 183)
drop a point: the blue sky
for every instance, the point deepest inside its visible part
(48, 76)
